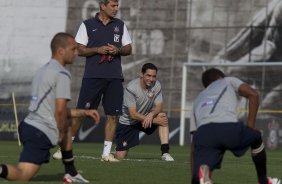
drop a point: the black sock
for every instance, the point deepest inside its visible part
(68, 162)
(165, 148)
(3, 171)
(260, 164)
(195, 181)
(259, 159)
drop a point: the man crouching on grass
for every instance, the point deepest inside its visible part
(142, 111)
(48, 121)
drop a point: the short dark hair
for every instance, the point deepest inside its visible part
(211, 75)
(147, 66)
(60, 40)
(106, 1)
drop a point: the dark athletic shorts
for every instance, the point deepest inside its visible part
(127, 136)
(212, 140)
(109, 90)
(36, 145)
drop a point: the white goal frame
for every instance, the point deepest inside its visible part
(184, 86)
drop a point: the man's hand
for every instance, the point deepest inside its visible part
(113, 50)
(147, 123)
(103, 50)
(92, 113)
(161, 120)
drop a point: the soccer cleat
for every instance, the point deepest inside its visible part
(274, 181)
(204, 175)
(109, 158)
(58, 154)
(167, 157)
(74, 179)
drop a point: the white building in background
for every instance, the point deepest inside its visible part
(26, 27)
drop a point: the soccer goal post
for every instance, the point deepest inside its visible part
(263, 76)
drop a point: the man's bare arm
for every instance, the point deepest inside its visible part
(125, 50)
(86, 51)
(253, 97)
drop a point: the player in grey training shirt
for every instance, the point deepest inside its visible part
(142, 111)
(216, 128)
(144, 100)
(220, 98)
(48, 121)
(50, 82)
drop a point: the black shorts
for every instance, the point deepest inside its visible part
(36, 145)
(109, 90)
(212, 140)
(127, 136)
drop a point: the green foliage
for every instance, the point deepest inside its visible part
(143, 166)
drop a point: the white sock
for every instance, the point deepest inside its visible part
(107, 148)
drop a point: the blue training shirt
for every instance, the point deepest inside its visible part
(100, 35)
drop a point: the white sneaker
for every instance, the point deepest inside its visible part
(77, 179)
(109, 158)
(274, 180)
(167, 157)
(58, 154)
(204, 175)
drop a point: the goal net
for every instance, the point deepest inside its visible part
(265, 77)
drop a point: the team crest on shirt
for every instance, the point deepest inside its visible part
(116, 29)
(150, 93)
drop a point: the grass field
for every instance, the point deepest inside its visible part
(143, 166)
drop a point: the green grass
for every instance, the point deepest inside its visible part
(143, 166)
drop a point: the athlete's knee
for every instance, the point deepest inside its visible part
(164, 123)
(111, 118)
(162, 114)
(16, 173)
(257, 140)
(25, 176)
(257, 145)
(121, 154)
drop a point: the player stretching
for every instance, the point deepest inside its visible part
(215, 127)
(48, 121)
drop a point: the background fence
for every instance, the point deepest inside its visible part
(261, 76)
(167, 33)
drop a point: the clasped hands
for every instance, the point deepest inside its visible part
(108, 49)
